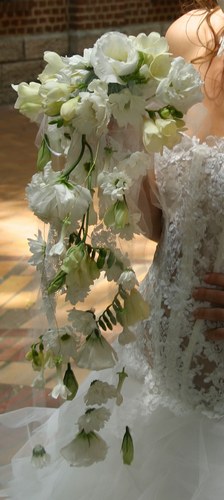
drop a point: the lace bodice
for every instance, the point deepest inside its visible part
(185, 366)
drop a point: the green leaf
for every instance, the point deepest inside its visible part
(110, 260)
(44, 154)
(102, 324)
(123, 293)
(57, 282)
(101, 259)
(111, 317)
(108, 323)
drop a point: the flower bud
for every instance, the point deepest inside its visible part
(39, 457)
(127, 448)
(70, 382)
(69, 109)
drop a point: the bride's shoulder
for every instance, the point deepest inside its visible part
(184, 34)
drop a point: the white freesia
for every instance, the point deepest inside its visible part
(160, 133)
(181, 88)
(60, 390)
(40, 458)
(61, 343)
(54, 65)
(53, 94)
(29, 101)
(127, 108)
(94, 419)
(79, 62)
(114, 56)
(37, 248)
(82, 321)
(53, 201)
(151, 45)
(99, 392)
(85, 449)
(128, 279)
(96, 353)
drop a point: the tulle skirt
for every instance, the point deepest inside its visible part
(177, 457)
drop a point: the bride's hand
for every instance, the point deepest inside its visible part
(214, 295)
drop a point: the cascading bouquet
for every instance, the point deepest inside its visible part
(104, 114)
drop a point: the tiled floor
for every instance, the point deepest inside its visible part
(20, 319)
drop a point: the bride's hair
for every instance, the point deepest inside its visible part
(209, 7)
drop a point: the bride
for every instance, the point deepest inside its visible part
(174, 396)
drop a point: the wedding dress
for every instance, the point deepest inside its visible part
(174, 394)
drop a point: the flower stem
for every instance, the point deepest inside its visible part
(70, 169)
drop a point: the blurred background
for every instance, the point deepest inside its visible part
(27, 29)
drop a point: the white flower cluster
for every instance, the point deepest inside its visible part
(102, 115)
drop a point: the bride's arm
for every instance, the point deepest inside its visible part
(216, 298)
(152, 217)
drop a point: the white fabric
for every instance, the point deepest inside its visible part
(174, 395)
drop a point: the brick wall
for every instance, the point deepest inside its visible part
(29, 27)
(91, 14)
(33, 16)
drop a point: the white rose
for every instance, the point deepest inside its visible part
(29, 101)
(114, 56)
(182, 87)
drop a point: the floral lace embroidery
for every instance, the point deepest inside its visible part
(181, 368)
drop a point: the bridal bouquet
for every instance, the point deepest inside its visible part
(102, 115)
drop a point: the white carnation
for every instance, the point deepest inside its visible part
(99, 393)
(92, 112)
(53, 201)
(61, 342)
(82, 321)
(127, 108)
(114, 183)
(37, 248)
(93, 419)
